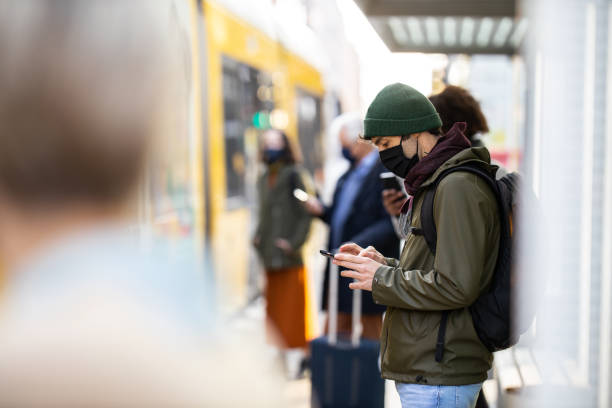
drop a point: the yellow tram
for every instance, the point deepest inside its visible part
(244, 78)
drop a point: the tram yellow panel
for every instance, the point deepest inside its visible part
(197, 135)
(230, 36)
(231, 259)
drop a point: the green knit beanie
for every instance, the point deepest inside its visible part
(400, 110)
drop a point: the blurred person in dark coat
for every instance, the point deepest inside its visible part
(356, 215)
(282, 230)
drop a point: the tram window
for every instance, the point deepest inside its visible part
(241, 101)
(309, 130)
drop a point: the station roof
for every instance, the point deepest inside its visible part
(447, 26)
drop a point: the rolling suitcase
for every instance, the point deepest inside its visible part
(345, 372)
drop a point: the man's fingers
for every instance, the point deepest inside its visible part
(368, 255)
(350, 248)
(368, 252)
(357, 285)
(348, 265)
(351, 274)
(356, 259)
(392, 193)
(398, 196)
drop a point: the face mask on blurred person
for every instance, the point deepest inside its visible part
(346, 153)
(395, 160)
(272, 155)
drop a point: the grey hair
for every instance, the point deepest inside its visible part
(351, 122)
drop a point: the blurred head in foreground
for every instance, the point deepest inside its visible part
(85, 321)
(79, 83)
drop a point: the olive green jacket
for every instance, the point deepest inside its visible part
(418, 287)
(281, 215)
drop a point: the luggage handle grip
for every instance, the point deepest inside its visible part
(357, 327)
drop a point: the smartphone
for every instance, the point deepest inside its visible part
(390, 181)
(300, 195)
(327, 253)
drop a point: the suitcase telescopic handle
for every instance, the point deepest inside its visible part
(357, 327)
(334, 271)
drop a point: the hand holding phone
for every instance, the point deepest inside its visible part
(311, 203)
(390, 181)
(393, 201)
(300, 195)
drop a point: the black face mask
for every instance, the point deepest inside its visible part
(346, 153)
(272, 155)
(395, 160)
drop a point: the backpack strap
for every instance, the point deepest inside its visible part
(428, 224)
(428, 228)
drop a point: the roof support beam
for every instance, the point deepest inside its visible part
(438, 8)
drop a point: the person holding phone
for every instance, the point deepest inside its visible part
(356, 215)
(453, 104)
(429, 346)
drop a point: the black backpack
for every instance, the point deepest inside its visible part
(491, 312)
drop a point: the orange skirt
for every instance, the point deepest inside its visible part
(286, 307)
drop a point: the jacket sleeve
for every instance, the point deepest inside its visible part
(302, 218)
(328, 211)
(467, 222)
(392, 262)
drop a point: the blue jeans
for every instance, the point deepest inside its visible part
(438, 396)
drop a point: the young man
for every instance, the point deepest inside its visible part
(418, 287)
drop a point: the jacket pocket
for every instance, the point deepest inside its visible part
(417, 324)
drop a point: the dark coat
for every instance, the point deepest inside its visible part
(367, 224)
(281, 215)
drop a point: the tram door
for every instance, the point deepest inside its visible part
(309, 131)
(247, 103)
